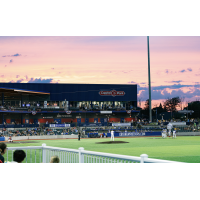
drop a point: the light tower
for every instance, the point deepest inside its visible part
(149, 78)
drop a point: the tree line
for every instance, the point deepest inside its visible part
(172, 105)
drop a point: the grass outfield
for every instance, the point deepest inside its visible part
(183, 148)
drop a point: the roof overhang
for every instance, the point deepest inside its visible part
(17, 90)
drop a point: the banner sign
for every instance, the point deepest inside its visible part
(128, 111)
(112, 93)
(131, 134)
(34, 112)
(59, 125)
(106, 112)
(64, 115)
(178, 123)
(121, 124)
(124, 134)
(68, 112)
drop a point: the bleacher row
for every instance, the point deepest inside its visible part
(19, 125)
(38, 131)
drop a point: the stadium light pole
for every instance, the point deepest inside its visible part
(149, 77)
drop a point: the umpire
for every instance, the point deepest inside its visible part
(79, 135)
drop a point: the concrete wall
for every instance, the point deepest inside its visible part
(187, 133)
(76, 136)
(42, 137)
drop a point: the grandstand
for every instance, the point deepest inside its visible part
(47, 109)
(25, 105)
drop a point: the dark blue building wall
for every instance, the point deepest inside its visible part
(78, 92)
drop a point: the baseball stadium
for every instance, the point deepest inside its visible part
(85, 123)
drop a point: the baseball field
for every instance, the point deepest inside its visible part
(182, 148)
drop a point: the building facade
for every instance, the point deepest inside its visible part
(67, 103)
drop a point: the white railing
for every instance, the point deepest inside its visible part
(33, 153)
(42, 154)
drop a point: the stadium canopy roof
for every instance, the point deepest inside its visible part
(17, 91)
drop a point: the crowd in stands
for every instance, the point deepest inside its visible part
(39, 131)
(81, 107)
(7, 107)
(105, 107)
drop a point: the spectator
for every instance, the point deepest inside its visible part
(19, 156)
(54, 159)
(3, 148)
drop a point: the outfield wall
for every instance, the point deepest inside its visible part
(43, 137)
(129, 134)
(187, 133)
(116, 135)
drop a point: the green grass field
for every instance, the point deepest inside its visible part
(183, 148)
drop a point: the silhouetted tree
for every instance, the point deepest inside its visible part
(172, 104)
(146, 105)
(145, 111)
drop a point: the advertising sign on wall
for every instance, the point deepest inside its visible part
(121, 124)
(64, 115)
(112, 93)
(59, 125)
(106, 112)
(124, 134)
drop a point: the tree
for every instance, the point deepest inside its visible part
(146, 105)
(160, 109)
(172, 104)
(145, 111)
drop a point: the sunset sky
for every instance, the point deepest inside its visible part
(175, 62)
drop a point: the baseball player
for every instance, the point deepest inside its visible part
(10, 139)
(164, 133)
(174, 134)
(169, 128)
(112, 135)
